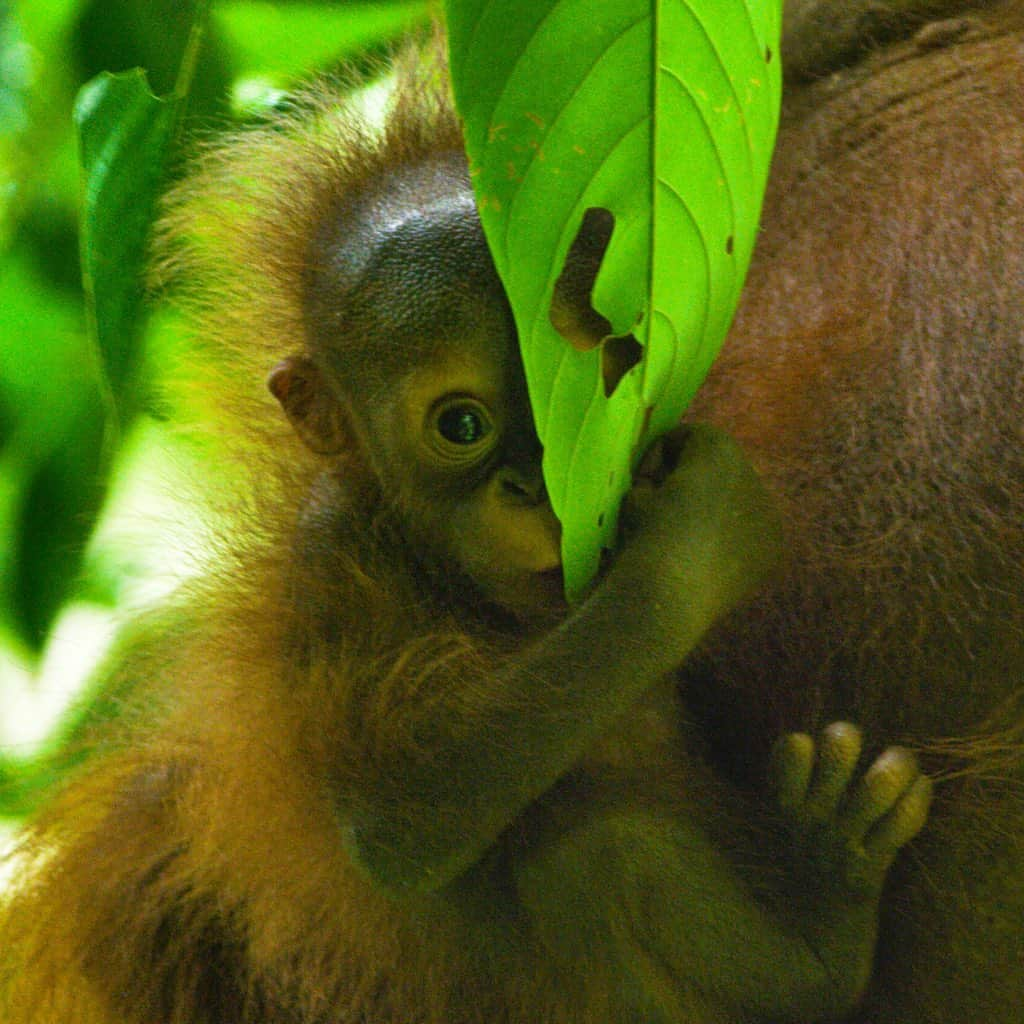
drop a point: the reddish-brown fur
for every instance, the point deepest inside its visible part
(875, 375)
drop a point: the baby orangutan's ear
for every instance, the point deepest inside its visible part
(311, 406)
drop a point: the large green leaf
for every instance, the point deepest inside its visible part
(662, 112)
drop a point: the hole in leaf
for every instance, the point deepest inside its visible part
(729, 245)
(619, 355)
(572, 314)
(767, 55)
(600, 519)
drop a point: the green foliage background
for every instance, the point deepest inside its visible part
(89, 463)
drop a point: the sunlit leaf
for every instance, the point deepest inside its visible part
(663, 113)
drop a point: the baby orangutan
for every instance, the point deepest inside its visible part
(380, 773)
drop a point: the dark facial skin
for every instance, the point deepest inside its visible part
(459, 430)
(455, 425)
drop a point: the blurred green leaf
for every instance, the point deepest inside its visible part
(119, 35)
(662, 113)
(59, 508)
(293, 38)
(125, 136)
(62, 389)
(50, 465)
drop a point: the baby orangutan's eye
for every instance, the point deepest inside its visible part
(463, 423)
